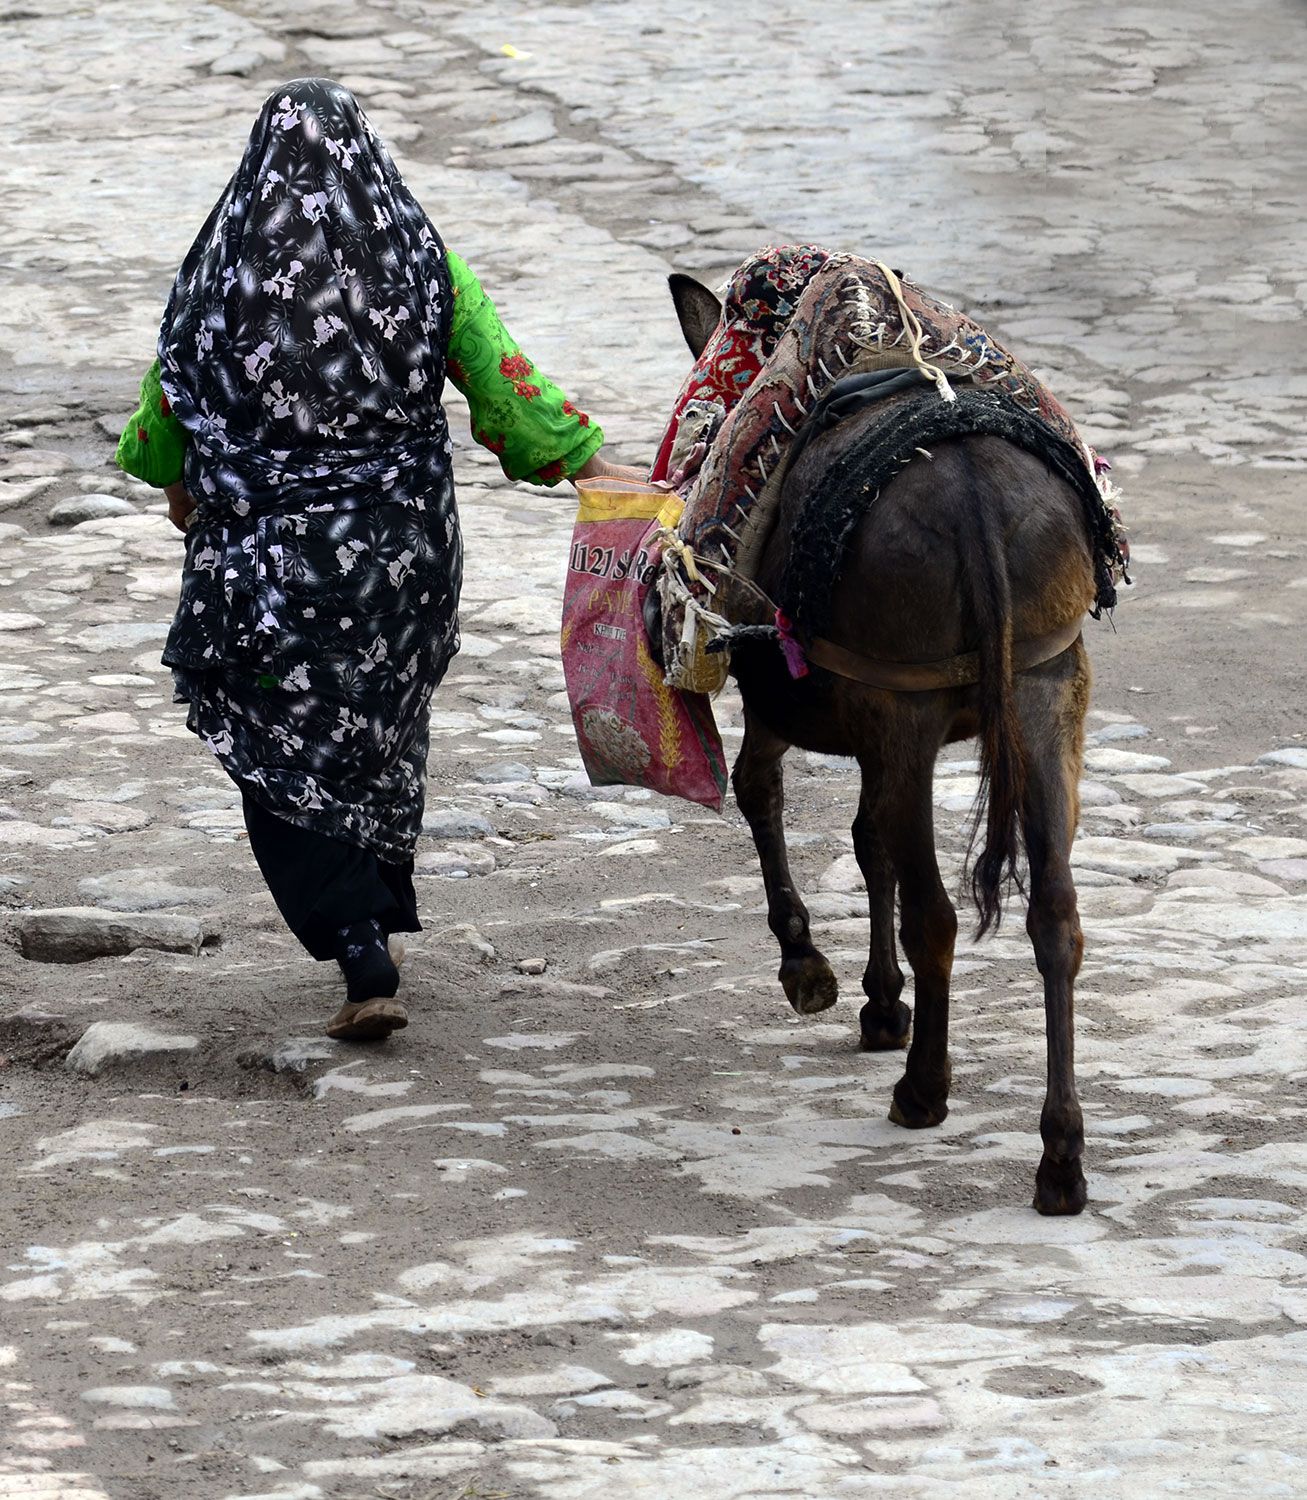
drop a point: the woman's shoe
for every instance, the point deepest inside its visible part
(368, 1021)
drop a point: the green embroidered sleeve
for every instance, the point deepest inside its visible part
(153, 443)
(517, 412)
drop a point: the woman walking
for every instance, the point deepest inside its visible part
(294, 420)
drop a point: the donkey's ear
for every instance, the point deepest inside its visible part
(697, 309)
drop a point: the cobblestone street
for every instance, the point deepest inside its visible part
(608, 1220)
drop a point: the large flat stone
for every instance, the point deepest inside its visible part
(105, 1043)
(13, 493)
(1134, 858)
(145, 890)
(122, 637)
(1110, 734)
(107, 817)
(464, 859)
(1155, 784)
(89, 508)
(77, 934)
(502, 772)
(292, 1054)
(455, 823)
(527, 614)
(18, 831)
(1109, 762)
(844, 876)
(1294, 756)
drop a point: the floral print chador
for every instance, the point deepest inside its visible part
(303, 353)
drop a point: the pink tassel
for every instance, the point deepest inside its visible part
(791, 650)
(1101, 465)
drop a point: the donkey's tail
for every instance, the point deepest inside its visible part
(1002, 748)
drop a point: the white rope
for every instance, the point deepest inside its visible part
(916, 335)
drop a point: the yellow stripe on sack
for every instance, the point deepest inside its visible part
(623, 500)
(671, 513)
(669, 728)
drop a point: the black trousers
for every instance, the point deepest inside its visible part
(321, 884)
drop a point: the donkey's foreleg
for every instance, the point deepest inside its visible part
(807, 978)
(1052, 704)
(928, 929)
(885, 1020)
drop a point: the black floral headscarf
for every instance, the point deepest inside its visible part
(303, 343)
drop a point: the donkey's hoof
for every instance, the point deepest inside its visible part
(1060, 1187)
(913, 1112)
(809, 984)
(885, 1031)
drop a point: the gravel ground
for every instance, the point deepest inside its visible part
(607, 1220)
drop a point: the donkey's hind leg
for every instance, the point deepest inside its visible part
(884, 1020)
(928, 926)
(1052, 702)
(807, 978)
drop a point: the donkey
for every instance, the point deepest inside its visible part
(976, 547)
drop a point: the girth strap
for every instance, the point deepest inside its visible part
(931, 676)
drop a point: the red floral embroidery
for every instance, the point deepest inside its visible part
(142, 436)
(456, 372)
(496, 445)
(524, 391)
(573, 411)
(163, 405)
(515, 367)
(550, 472)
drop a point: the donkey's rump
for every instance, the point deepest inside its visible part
(892, 435)
(895, 588)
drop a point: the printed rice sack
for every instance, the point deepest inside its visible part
(632, 728)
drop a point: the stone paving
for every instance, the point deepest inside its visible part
(607, 1220)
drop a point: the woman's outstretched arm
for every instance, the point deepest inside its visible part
(517, 412)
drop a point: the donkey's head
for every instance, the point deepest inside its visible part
(697, 309)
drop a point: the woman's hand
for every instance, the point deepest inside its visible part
(598, 467)
(180, 505)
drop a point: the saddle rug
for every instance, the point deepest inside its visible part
(796, 322)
